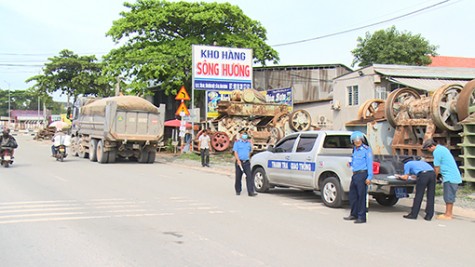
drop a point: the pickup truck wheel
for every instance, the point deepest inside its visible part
(261, 183)
(386, 201)
(331, 192)
(102, 156)
(92, 150)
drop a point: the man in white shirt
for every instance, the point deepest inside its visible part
(203, 144)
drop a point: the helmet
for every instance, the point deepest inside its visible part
(357, 135)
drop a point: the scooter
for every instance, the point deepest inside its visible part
(60, 153)
(6, 156)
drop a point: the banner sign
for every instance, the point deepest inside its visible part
(212, 99)
(221, 68)
(280, 96)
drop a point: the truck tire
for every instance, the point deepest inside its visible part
(112, 155)
(261, 183)
(151, 156)
(93, 150)
(102, 156)
(74, 146)
(387, 201)
(143, 156)
(331, 192)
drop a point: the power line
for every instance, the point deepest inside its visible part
(363, 27)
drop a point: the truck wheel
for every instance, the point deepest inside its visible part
(386, 201)
(112, 155)
(74, 146)
(331, 192)
(261, 183)
(143, 156)
(102, 156)
(151, 156)
(93, 150)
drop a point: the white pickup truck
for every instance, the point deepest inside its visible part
(317, 161)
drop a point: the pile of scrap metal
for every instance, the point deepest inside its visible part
(265, 122)
(45, 134)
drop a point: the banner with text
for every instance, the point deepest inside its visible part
(221, 68)
(212, 99)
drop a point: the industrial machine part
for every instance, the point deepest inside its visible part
(468, 148)
(417, 118)
(265, 122)
(372, 109)
(466, 102)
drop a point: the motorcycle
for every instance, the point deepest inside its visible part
(60, 153)
(6, 156)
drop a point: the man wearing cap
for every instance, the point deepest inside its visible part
(425, 178)
(242, 152)
(444, 163)
(362, 167)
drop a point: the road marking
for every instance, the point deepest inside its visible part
(60, 178)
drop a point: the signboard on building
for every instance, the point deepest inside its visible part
(221, 68)
(280, 96)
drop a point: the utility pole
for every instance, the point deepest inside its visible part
(9, 120)
(117, 86)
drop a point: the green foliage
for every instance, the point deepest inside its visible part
(72, 75)
(25, 100)
(157, 35)
(392, 47)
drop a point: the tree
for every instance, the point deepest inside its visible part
(157, 36)
(25, 100)
(393, 47)
(72, 75)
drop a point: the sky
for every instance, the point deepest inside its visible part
(32, 30)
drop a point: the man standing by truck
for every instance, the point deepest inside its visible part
(444, 163)
(362, 167)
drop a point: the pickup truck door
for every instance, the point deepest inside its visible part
(302, 162)
(278, 168)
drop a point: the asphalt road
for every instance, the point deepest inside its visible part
(81, 213)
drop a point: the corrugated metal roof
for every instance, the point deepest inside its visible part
(426, 84)
(425, 72)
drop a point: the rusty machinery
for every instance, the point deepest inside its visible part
(265, 122)
(418, 117)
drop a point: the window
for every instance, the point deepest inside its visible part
(337, 141)
(306, 143)
(285, 145)
(381, 92)
(353, 95)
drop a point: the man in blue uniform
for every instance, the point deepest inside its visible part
(362, 167)
(444, 163)
(242, 151)
(425, 176)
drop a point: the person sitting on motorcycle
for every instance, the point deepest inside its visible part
(58, 139)
(7, 140)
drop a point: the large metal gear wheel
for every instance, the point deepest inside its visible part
(220, 141)
(397, 101)
(300, 120)
(372, 108)
(443, 108)
(466, 101)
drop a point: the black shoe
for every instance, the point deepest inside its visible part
(252, 194)
(207, 165)
(350, 218)
(410, 217)
(427, 218)
(360, 221)
(238, 193)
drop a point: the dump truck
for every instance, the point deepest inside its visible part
(106, 129)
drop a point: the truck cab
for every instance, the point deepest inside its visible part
(318, 161)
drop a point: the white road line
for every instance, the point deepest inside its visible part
(60, 178)
(69, 208)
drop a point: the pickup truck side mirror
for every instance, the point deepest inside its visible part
(270, 148)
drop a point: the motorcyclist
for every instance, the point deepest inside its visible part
(58, 139)
(7, 140)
